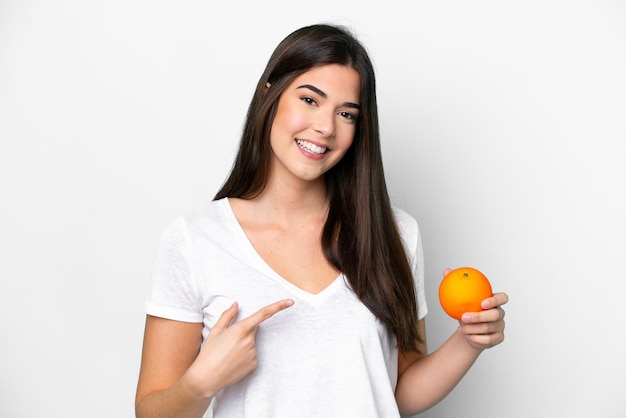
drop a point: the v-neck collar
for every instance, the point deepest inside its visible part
(240, 234)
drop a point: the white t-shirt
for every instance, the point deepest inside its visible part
(326, 356)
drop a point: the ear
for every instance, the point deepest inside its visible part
(267, 87)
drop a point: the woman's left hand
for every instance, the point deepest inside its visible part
(485, 329)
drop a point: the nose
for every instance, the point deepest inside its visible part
(324, 123)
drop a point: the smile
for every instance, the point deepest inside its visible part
(309, 146)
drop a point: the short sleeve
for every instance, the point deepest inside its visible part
(417, 266)
(412, 240)
(173, 293)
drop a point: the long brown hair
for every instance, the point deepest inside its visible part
(360, 236)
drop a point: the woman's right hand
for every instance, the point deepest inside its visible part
(229, 352)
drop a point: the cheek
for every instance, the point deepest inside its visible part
(289, 121)
(345, 137)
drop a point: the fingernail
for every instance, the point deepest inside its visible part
(466, 317)
(289, 302)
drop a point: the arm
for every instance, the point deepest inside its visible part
(177, 379)
(424, 380)
(169, 349)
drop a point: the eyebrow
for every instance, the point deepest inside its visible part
(324, 95)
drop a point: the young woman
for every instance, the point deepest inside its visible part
(298, 291)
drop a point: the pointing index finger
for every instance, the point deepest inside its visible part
(267, 312)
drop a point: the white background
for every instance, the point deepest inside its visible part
(504, 134)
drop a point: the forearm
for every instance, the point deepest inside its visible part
(177, 401)
(430, 378)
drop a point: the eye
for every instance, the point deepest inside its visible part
(348, 116)
(309, 100)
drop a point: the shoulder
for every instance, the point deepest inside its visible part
(409, 232)
(407, 225)
(209, 212)
(200, 220)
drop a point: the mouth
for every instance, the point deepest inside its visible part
(311, 147)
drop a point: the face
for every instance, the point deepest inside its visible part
(315, 122)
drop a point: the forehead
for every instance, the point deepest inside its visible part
(336, 81)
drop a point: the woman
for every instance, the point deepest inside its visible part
(298, 291)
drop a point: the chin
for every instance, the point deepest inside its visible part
(311, 176)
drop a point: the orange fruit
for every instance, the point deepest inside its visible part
(462, 290)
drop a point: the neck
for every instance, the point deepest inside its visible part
(293, 203)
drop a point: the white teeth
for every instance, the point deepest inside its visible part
(310, 147)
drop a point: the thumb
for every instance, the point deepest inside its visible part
(226, 318)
